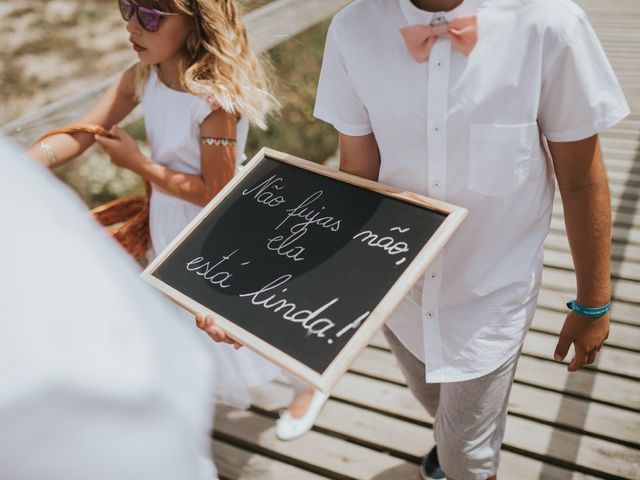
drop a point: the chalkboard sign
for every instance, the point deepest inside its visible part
(302, 263)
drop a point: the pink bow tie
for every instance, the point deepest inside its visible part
(462, 31)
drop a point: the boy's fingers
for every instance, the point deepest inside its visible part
(579, 360)
(562, 348)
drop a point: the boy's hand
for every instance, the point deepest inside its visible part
(587, 336)
(208, 324)
(122, 148)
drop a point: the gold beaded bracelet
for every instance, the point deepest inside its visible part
(219, 142)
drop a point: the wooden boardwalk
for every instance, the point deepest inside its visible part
(560, 426)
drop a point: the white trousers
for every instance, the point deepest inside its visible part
(470, 416)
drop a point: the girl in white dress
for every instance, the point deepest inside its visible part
(200, 86)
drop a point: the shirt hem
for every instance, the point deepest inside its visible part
(588, 131)
(443, 378)
(344, 128)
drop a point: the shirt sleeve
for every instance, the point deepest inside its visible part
(337, 102)
(580, 95)
(202, 108)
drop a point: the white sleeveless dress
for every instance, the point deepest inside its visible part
(172, 122)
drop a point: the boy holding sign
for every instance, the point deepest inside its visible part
(455, 100)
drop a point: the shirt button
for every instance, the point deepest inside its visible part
(436, 129)
(434, 276)
(437, 184)
(429, 314)
(438, 64)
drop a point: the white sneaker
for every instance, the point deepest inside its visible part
(288, 427)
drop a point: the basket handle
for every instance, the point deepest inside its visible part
(89, 128)
(80, 127)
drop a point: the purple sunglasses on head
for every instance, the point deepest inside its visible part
(148, 18)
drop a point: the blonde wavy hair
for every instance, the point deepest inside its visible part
(217, 62)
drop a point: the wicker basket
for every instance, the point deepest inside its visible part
(126, 218)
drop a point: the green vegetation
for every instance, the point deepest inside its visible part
(296, 65)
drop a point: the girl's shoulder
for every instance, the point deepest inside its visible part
(125, 84)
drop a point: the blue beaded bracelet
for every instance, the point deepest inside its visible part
(586, 311)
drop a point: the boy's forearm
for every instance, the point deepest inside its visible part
(584, 188)
(588, 222)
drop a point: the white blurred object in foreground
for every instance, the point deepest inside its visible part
(98, 380)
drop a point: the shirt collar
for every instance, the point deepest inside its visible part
(415, 15)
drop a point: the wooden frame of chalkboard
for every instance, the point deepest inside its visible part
(302, 263)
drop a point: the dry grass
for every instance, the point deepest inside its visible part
(55, 47)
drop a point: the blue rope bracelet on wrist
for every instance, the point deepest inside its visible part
(587, 311)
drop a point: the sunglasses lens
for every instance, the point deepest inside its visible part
(126, 9)
(149, 18)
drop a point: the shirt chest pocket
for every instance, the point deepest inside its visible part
(500, 157)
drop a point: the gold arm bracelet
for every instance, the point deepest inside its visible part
(219, 142)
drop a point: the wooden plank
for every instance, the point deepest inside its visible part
(618, 203)
(562, 259)
(622, 336)
(583, 415)
(625, 290)
(620, 219)
(627, 177)
(282, 19)
(314, 451)
(620, 234)
(621, 311)
(615, 157)
(533, 402)
(558, 241)
(238, 464)
(622, 192)
(588, 384)
(619, 143)
(614, 132)
(610, 360)
(586, 452)
(408, 440)
(624, 219)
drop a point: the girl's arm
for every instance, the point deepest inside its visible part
(218, 162)
(116, 103)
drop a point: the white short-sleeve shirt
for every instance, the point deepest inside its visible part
(468, 130)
